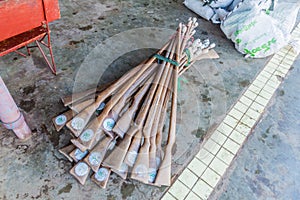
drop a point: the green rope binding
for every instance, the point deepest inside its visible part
(188, 53)
(160, 57)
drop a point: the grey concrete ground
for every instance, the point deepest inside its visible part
(34, 169)
(268, 166)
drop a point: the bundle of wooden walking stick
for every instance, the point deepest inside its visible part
(120, 129)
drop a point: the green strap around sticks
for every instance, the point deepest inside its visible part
(160, 57)
(188, 53)
(174, 62)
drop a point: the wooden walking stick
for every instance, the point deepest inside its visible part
(211, 54)
(61, 120)
(131, 154)
(164, 173)
(66, 151)
(122, 172)
(88, 139)
(80, 171)
(101, 177)
(77, 97)
(162, 119)
(153, 159)
(77, 155)
(121, 92)
(68, 100)
(78, 107)
(96, 156)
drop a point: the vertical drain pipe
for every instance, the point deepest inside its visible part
(10, 115)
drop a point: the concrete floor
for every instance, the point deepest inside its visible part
(35, 169)
(267, 167)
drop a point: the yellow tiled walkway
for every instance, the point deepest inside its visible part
(205, 171)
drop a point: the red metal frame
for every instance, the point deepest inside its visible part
(37, 35)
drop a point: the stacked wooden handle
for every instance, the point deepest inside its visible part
(121, 129)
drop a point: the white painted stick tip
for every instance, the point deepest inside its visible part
(212, 45)
(193, 32)
(194, 20)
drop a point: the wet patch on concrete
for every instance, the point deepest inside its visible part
(27, 105)
(85, 28)
(65, 189)
(53, 136)
(111, 197)
(244, 83)
(28, 90)
(281, 92)
(38, 60)
(74, 42)
(127, 189)
(199, 133)
(205, 98)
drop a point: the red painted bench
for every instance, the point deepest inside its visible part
(24, 22)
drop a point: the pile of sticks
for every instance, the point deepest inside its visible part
(121, 129)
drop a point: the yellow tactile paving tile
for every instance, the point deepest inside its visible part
(245, 100)
(231, 146)
(274, 79)
(231, 121)
(224, 128)
(250, 94)
(236, 113)
(210, 177)
(256, 88)
(261, 79)
(274, 65)
(192, 196)
(168, 196)
(253, 114)
(265, 94)
(270, 68)
(218, 137)
(197, 167)
(259, 82)
(188, 178)
(212, 146)
(225, 156)
(218, 166)
(202, 189)
(205, 156)
(240, 107)
(179, 190)
(204, 172)
(257, 107)
(262, 101)
(243, 129)
(237, 137)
